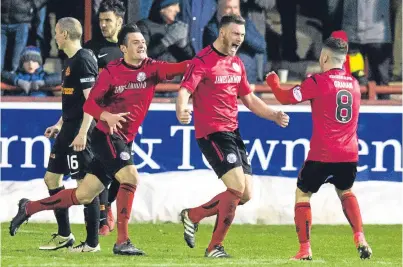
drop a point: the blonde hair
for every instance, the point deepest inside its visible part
(72, 26)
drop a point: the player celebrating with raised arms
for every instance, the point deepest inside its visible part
(215, 79)
(119, 101)
(335, 100)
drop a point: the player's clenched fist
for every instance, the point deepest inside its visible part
(52, 131)
(114, 120)
(282, 119)
(184, 116)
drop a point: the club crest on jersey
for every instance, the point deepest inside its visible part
(124, 155)
(141, 76)
(297, 93)
(236, 67)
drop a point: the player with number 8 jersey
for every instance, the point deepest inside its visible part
(335, 100)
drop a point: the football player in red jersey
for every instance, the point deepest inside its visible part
(215, 79)
(335, 100)
(119, 101)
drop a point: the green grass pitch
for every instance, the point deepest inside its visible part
(249, 245)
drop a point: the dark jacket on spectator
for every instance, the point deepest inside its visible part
(253, 44)
(19, 11)
(197, 14)
(367, 22)
(154, 29)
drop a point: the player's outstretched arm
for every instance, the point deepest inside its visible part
(257, 106)
(168, 71)
(307, 90)
(183, 113)
(273, 82)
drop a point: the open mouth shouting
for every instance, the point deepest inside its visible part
(234, 48)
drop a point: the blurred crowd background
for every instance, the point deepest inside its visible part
(282, 35)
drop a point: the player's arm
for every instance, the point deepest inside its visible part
(52, 131)
(183, 113)
(92, 107)
(190, 81)
(300, 93)
(167, 71)
(88, 73)
(257, 106)
(97, 93)
(80, 141)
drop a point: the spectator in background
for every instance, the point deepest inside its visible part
(39, 29)
(197, 14)
(16, 18)
(30, 76)
(367, 24)
(257, 12)
(397, 40)
(288, 17)
(167, 38)
(253, 45)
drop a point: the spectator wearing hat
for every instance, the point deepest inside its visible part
(30, 76)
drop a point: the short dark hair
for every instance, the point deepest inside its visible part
(336, 45)
(126, 29)
(116, 6)
(227, 19)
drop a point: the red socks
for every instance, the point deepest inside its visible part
(124, 202)
(352, 211)
(62, 200)
(206, 210)
(227, 203)
(303, 221)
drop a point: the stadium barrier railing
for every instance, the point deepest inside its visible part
(371, 90)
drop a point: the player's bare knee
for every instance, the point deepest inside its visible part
(128, 175)
(248, 192)
(246, 197)
(301, 196)
(53, 180)
(340, 192)
(88, 189)
(235, 179)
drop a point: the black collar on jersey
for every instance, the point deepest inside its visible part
(131, 66)
(336, 69)
(218, 52)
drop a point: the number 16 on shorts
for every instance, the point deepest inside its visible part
(72, 161)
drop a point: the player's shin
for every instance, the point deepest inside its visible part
(62, 200)
(91, 217)
(303, 222)
(352, 212)
(62, 215)
(103, 202)
(113, 191)
(206, 210)
(226, 213)
(124, 203)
